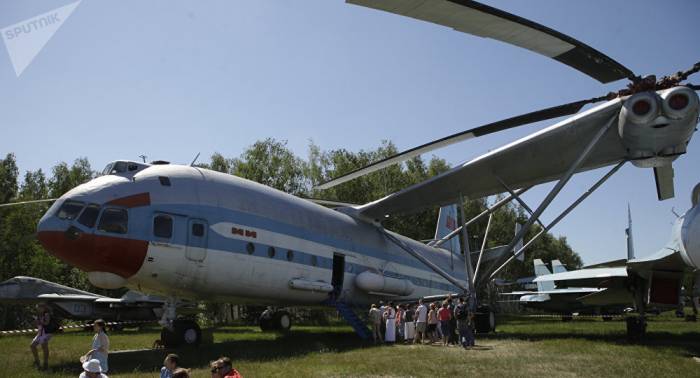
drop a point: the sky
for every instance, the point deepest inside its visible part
(170, 79)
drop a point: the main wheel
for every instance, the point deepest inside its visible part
(636, 327)
(485, 320)
(185, 332)
(282, 321)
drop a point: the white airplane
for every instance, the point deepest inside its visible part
(186, 232)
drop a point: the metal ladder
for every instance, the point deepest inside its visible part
(355, 321)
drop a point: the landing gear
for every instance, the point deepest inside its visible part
(484, 320)
(178, 332)
(636, 327)
(279, 321)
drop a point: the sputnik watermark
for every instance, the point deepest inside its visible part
(25, 39)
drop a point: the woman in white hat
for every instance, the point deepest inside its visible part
(92, 369)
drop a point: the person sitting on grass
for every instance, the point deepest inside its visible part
(222, 368)
(92, 369)
(169, 365)
(181, 373)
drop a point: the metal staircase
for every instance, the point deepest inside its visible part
(355, 321)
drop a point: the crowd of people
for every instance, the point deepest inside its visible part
(446, 323)
(95, 361)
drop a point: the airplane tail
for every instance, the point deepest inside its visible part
(628, 233)
(447, 222)
(558, 267)
(541, 270)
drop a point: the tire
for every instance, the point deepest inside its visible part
(484, 320)
(187, 332)
(282, 321)
(169, 338)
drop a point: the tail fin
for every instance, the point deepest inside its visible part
(517, 247)
(447, 222)
(558, 267)
(541, 270)
(628, 233)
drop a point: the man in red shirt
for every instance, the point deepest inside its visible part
(222, 368)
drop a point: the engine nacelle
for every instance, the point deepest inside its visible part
(379, 284)
(656, 127)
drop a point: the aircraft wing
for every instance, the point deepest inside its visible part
(596, 277)
(68, 297)
(607, 297)
(537, 158)
(484, 21)
(667, 259)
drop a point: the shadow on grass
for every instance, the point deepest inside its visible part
(294, 344)
(687, 341)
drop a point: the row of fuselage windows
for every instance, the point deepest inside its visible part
(116, 220)
(113, 219)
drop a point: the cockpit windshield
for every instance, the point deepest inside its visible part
(69, 210)
(121, 167)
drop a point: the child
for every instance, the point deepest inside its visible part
(169, 365)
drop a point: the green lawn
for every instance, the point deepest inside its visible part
(521, 347)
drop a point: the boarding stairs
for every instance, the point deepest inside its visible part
(355, 321)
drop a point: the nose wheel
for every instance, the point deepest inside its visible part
(183, 332)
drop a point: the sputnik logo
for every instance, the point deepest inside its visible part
(25, 39)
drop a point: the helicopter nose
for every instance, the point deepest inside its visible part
(91, 250)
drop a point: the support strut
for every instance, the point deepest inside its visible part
(555, 191)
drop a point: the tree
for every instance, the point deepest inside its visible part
(271, 163)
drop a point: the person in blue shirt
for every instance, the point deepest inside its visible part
(169, 365)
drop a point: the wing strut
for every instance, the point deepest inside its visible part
(552, 194)
(424, 260)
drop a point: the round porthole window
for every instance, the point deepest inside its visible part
(290, 255)
(250, 247)
(314, 260)
(271, 252)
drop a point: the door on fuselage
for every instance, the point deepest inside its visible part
(338, 275)
(197, 233)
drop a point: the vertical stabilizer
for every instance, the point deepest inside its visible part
(541, 270)
(628, 233)
(558, 267)
(447, 222)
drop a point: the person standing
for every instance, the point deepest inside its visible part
(409, 325)
(100, 345)
(421, 321)
(375, 316)
(400, 322)
(452, 339)
(461, 316)
(45, 325)
(390, 316)
(444, 316)
(382, 310)
(432, 323)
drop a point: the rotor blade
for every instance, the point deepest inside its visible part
(523, 119)
(663, 176)
(488, 22)
(325, 202)
(27, 202)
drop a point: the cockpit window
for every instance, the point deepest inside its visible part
(89, 215)
(70, 209)
(114, 220)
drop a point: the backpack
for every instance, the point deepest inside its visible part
(461, 312)
(53, 325)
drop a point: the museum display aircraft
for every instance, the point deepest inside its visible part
(186, 232)
(73, 304)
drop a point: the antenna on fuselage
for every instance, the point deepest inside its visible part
(195, 159)
(143, 157)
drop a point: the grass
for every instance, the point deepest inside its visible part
(521, 347)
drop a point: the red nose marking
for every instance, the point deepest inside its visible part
(141, 199)
(100, 253)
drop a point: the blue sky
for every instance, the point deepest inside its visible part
(170, 79)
